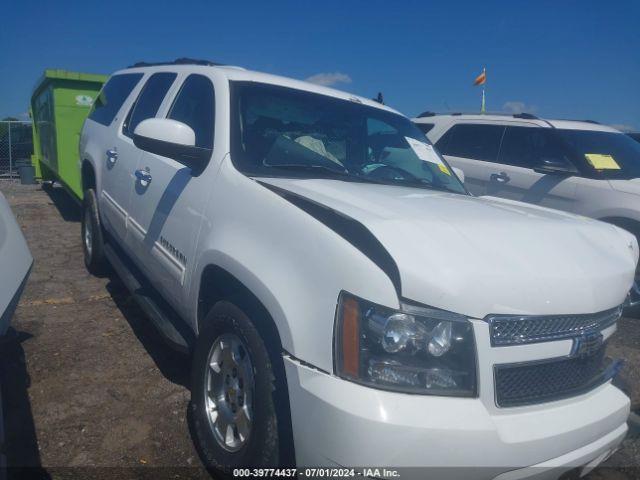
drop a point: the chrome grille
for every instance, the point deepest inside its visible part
(521, 329)
(544, 381)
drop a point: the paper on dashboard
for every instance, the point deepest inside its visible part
(426, 153)
(601, 161)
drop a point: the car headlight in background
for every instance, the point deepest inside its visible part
(415, 350)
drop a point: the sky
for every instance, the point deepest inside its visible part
(556, 59)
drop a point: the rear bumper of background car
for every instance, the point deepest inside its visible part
(340, 423)
(5, 316)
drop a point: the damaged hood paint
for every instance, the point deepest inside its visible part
(478, 256)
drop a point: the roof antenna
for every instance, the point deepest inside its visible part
(379, 98)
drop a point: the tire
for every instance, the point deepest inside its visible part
(225, 324)
(92, 235)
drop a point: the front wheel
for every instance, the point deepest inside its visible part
(92, 238)
(232, 395)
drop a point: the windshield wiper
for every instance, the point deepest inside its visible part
(330, 171)
(432, 186)
(344, 174)
(405, 183)
(311, 168)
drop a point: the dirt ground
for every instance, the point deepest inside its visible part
(88, 383)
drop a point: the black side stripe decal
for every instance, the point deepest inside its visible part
(348, 228)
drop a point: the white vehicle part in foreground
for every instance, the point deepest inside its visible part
(15, 263)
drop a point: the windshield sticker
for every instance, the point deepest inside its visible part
(601, 161)
(425, 152)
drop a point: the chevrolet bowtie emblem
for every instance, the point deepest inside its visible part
(586, 344)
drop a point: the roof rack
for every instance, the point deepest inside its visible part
(177, 61)
(528, 116)
(524, 115)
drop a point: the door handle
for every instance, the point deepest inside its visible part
(112, 156)
(143, 176)
(501, 177)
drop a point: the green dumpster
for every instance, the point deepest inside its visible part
(59, 105)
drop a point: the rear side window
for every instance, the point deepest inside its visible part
(479, 142)
(195, 106)
(112, 96)
(425, 127)
(528, 146)
(149, 100)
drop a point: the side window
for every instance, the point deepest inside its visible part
(425, 127)
(443, 142)
(149, 100)
(195, 106)
(528, 146)
(480, 142)
(112, 96)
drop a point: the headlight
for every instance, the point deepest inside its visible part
(415, 350)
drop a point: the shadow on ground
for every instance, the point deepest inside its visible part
(69, 209)
(20, 443)
(172, 364)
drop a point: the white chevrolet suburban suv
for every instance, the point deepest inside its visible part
(345, 301)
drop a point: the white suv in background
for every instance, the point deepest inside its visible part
(345, 300)
(578, 166)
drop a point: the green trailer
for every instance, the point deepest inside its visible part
(59, 105)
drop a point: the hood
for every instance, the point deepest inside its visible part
(631, 186)
(478, 256)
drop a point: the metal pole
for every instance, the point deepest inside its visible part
(483, 107)
(10, 159)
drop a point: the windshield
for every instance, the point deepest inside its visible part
(612, 155)
(282, 132)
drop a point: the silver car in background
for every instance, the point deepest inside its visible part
(15, 265)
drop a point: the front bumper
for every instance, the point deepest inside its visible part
(336, 422)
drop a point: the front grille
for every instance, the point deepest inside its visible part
(518, 330)
(544, 381)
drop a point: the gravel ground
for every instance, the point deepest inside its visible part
(88, 383)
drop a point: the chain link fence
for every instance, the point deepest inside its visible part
(16, 146)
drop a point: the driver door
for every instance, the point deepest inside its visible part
(169, 199)
(513, 176)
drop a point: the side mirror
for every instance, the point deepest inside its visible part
(171, 139)
(459, 173)
(555, 166)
